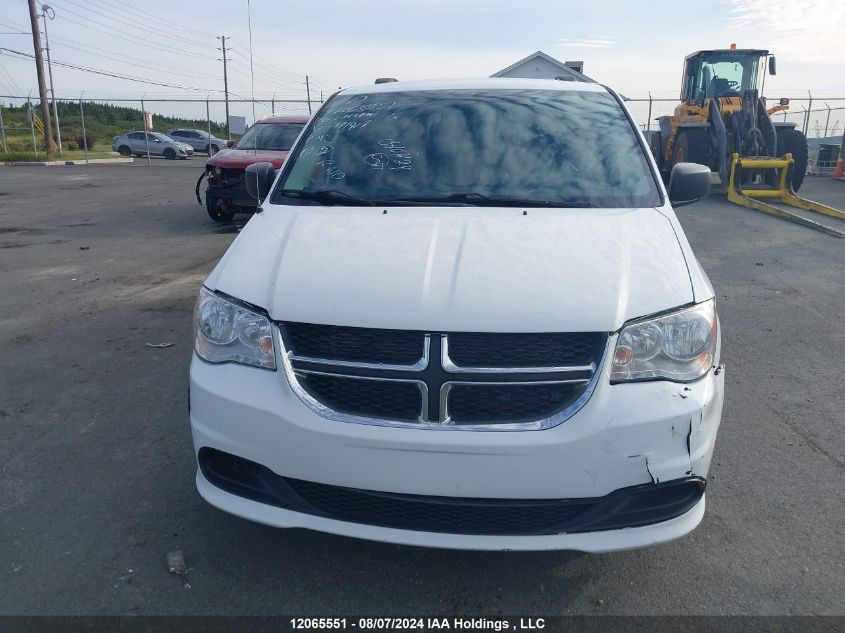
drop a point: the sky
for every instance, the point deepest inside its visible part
(636, 47)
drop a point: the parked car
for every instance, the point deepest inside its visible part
(268, 140)
(135, 143)
(199, 140)
(466, 316)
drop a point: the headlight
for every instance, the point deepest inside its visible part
(680, 346)
(218, 171)
(225, 332)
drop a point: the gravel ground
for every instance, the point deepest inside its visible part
(96, 465)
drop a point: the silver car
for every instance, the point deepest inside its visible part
(135, 143)
(200, 140)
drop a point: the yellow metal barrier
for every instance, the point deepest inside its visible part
(39, 125)
(750, 197)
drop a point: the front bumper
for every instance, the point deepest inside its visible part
(593, 542)
(231, 187)
(626, 435)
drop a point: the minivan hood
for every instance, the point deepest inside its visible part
(457, 268)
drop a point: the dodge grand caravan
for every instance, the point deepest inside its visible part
(466, 316)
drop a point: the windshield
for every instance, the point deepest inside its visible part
(725, 74)
(270, 136)
(533, 147)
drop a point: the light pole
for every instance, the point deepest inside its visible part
(47, 11)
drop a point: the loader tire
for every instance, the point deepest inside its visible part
(690, 147)
(655, 144)
(791, 141)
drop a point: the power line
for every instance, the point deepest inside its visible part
(122, 20)
(97, 71)
(155, 18)
(134, 62)
(111, 55)
(124, 36)
(10, 80)
(269, 67)
(266, 78)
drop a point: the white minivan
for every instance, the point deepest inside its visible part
(465, 316)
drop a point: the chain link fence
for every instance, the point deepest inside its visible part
(817, 117)
(87, 126)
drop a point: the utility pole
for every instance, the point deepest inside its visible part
(222, 39)
(47, 11)
(42, 86)
(308, 93)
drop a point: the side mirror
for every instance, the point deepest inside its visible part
(259, 178)
(773, 67)
(231, 143)
(784, 101)
(688, 183)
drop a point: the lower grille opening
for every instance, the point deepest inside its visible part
(634, 506)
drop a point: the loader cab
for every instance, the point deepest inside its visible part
(722, 73)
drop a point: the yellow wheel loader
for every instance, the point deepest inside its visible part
(723, 122)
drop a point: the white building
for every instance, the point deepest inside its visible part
(541, 66)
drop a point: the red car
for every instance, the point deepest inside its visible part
(268, 140)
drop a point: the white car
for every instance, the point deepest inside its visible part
(466, 316)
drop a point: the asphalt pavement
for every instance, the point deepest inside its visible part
(97, 469)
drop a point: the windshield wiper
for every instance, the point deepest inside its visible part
(481, 200)
(327, 196)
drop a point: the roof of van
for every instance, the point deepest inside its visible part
(284, 119)
(494, 83)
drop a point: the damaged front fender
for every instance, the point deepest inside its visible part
(671, 434)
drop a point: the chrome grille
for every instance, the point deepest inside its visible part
(441, 380)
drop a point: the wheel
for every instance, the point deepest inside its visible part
(690, 147)
(212, 149)
(214, 212)
(169, 154)
(791, 141)
(655, 144)
(124, 150)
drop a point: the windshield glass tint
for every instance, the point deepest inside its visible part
(550, 147)
(726, 74)
(270, 136)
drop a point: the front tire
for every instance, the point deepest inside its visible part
(212, 149)
(124, 150)
(690, 147)
(214, 212)
(791, 141)
(655, 144)
(169, 154)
